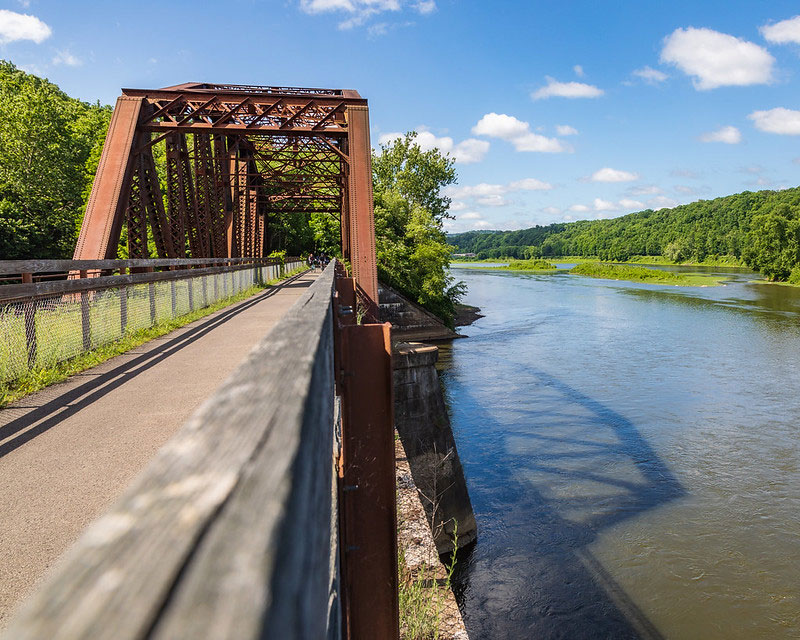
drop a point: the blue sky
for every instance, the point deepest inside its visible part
(554, 110)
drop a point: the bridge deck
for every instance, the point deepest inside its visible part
(68, 451)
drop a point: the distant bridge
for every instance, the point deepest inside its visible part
(271, 512)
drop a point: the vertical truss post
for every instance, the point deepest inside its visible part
(363, 360)
(176, 193)
(361, 222)
(105, 211)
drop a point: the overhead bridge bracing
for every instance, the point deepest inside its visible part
(206, 170)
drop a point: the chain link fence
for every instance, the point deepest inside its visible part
(41, 332)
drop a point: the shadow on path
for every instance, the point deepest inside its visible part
(74, 399)
(544, 484)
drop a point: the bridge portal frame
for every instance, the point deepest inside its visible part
(255, 152)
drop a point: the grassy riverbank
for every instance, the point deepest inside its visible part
(610, 271)
(520, 265)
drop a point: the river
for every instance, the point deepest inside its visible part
(632, 453)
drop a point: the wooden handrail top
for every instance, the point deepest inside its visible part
(49, 266)
(16, 292)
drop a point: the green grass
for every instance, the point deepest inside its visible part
(528, 265)
(40, 377)
(520, 265)
(642, 274)
(712, 261)
(421, 597)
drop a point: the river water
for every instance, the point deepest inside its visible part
(633, 457)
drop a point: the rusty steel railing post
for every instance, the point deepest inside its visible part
(86, 326)
(30, 324)
(363, 358)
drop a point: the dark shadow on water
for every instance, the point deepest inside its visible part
(544, 483)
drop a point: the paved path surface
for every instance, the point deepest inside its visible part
(68, 451)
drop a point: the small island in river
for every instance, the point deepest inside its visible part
(643, 274)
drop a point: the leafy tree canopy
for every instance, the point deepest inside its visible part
(49, 149)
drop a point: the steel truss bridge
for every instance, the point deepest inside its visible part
(237, 158)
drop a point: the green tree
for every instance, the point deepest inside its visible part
(417, 175)
(46, 142)
(412, 251)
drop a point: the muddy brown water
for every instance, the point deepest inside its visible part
(633, 458)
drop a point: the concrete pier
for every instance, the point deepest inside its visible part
(424, 427)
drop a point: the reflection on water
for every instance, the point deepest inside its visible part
(632, 457)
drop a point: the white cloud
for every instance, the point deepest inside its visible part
(529, 184)
(493, 201)
(717, 59)
(661, 202)
(783, 32)
(465, 152)
(645, 190)
(627, 203)
(554, 88)
(607, 174)
(359, 12)
(554, 211)
(518, 133)
(650, 75)
(728, 135)
(566, 130)
(65, 57)
(604, 205)
(579, 208)
(470, 150)
(472, 215)
(388, 138)
(578, 69)
(457, 206)
(19, 26)
(684, 189)
(481, 224)
(425, 6)
(782, 121)
(486, 190)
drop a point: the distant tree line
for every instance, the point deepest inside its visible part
(761, 229)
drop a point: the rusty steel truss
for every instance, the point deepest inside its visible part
(203, 170)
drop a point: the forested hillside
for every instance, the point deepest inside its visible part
(760, 228)
(50, 145)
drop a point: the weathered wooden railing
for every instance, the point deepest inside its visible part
(233, 531)
(52, 310)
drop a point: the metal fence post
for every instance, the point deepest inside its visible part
(152, 293)
(86, 326)
(174, 296)
(123, 307)
(189, 284)
(30, 323)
